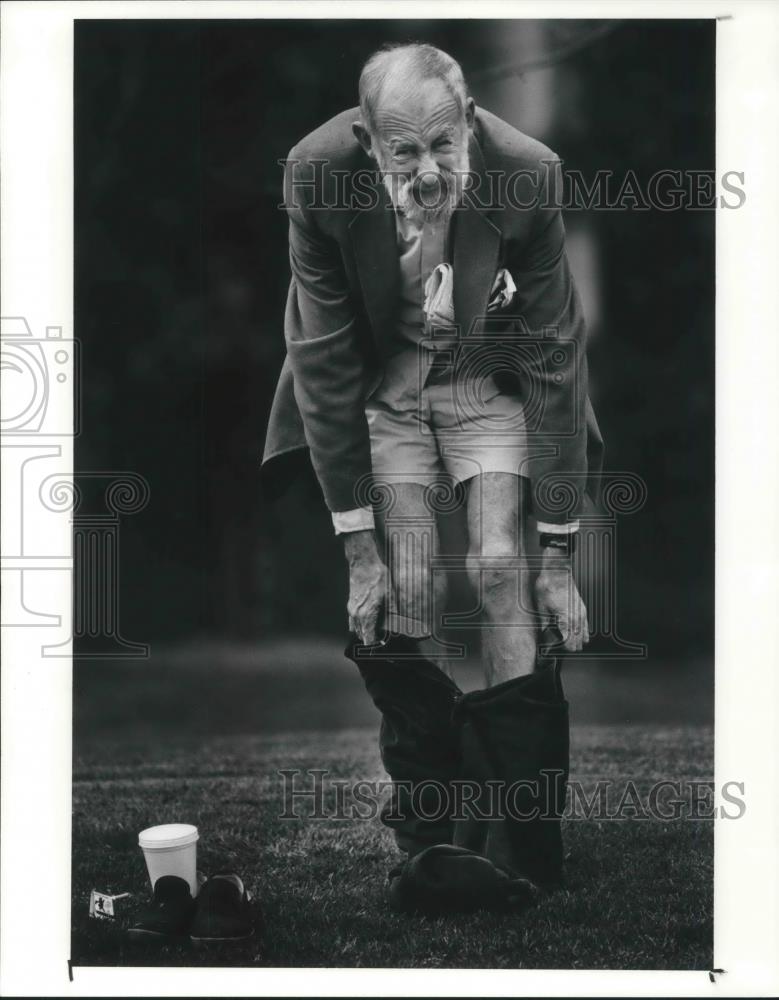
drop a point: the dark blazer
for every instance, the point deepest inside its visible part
(343, 293)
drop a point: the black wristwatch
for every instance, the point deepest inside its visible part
(563, 543)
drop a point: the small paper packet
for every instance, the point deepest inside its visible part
(103, 906)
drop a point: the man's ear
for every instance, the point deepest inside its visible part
(470, 113)
(363, 136)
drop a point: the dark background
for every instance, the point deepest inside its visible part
(181, 273)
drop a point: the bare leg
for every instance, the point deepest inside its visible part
(498, 571)
(408, 541)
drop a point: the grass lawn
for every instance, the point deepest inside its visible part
(638, 893)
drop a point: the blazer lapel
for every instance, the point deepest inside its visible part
(374, 241)
(475, 255)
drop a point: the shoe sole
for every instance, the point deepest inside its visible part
(142, 935)
(220, 940)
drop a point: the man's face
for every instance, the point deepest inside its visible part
(420, 141)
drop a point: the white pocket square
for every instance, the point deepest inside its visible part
(503, 290)
(439, 302)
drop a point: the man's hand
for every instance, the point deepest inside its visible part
(367, 584)
(558, 600)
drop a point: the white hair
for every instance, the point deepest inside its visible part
(414, 61)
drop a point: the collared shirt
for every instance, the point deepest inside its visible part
(421, 248)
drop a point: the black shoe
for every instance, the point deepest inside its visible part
(447, 879)
(223, 912)
(169, 913)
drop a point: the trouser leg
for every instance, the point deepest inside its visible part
(416, 738)
(514, 749)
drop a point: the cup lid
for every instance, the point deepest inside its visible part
(168, 835)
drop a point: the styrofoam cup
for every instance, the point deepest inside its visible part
(171, 849)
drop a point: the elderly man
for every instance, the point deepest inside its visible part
(434, 336)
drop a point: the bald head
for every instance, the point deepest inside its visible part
(416, 121)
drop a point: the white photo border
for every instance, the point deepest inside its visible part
(36, 172)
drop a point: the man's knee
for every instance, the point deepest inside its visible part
(499, 579)
(496, 577)
(492, 575)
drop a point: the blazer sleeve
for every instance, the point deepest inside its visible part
(320, 329)
(555, 369)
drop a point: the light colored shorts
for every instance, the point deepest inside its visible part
(461, 429)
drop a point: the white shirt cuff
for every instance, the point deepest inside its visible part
(557, 529)
(359, 519)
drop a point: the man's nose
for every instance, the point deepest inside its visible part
(428, 172)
